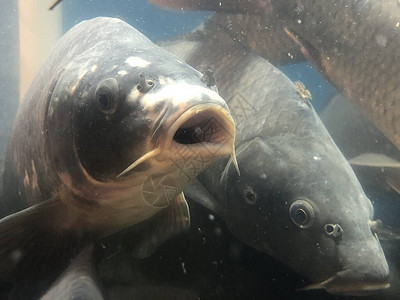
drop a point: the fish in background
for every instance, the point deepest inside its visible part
(354, 44)
(111, 131)
(297, 197)
(374, 158)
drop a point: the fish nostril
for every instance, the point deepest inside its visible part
(334, 230)
(329, 229)
(145, 83)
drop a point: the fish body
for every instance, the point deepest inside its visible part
(373, 157)
(352, 43)
(297, 197)
(103, 140)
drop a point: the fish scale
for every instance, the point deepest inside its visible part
(360, 55)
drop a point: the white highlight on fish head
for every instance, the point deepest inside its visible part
(165, 80)
(122, 73)
(76, 84)
(94, 68)
(316, 157)
(180, 92)
(137, 62)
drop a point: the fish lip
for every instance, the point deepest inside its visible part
(338, 284)
(205, 116)
(208, 116)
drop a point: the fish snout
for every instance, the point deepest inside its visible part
(365, 269)
(359, 282)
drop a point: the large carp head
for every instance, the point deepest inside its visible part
(128, 119)
(294, 202)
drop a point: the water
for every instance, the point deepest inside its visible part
(208, 260)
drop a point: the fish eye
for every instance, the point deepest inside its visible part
(107, 96)
(302, 213)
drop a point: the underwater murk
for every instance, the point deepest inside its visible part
(304, 205)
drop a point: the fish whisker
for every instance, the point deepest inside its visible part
(319, 285)
(324, 284)
(157, 123)
(233, 160)
(140, 160)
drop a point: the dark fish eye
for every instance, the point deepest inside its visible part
(107, 96)
(302, 213)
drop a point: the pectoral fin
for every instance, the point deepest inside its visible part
(78, 281)
(21, 230)
(30, 239)
(198, 193)
(173, 220)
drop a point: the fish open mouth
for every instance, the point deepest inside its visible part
(190, 134)
(207, 126)
(208, 129)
